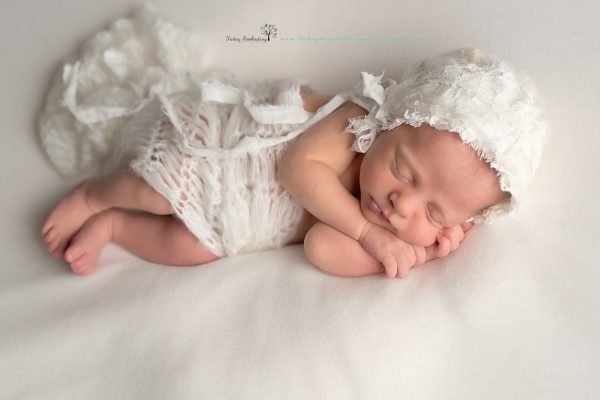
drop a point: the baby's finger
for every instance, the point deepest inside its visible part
(421, 255)
(455, 231)
(443, 245)
(431, 252)
(402, 273)
(403, 268)
(391, 267)
(456, 237)
(466, 226)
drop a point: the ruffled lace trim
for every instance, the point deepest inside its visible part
(367, 127)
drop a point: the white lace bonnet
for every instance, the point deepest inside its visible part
(484, 100)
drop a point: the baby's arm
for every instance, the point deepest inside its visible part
(337, 254)
(310, 171)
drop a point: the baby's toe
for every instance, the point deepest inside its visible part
(78, 264)
(73, 254)
(50, 243)
(50, 234)
(54, 242)
(52, 237)
(48, 225)
(53, 245)
(82, 265)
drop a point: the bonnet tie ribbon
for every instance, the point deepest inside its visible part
(367, 127)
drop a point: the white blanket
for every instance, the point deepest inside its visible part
(512, 315)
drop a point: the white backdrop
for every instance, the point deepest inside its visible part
(513, 314)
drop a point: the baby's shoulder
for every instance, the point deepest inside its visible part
(314, 100)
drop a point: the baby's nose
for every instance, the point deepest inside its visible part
(405, 204)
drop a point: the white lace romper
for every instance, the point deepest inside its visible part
(211, 149)
(212, 152)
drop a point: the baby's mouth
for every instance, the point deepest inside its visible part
(376, 209)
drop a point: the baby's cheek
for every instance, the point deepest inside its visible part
(419, 236)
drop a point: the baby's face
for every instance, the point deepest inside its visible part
(424, 180)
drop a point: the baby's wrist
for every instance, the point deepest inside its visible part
(363, 230)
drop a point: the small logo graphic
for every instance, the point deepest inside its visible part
(269, 30)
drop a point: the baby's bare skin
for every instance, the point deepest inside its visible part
(79, 226)
(85, 247)
(66, 219)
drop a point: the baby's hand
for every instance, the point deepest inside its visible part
(448, 241)
(396, 255)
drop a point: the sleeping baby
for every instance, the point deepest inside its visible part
(377, 179)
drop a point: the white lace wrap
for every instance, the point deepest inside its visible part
(485, 101)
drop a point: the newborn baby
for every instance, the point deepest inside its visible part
(379, 179)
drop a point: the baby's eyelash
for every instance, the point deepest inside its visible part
(397, 172)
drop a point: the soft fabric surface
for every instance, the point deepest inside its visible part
(512, 314)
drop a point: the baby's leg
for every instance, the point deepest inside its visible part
(121, 189)
(156, 238)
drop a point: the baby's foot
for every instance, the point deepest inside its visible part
(67, 217)
(84, 249)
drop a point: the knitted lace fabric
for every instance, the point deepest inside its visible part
(485, 101)
(213, 151)
(210, 160)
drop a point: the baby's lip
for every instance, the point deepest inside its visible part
(381, 212)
